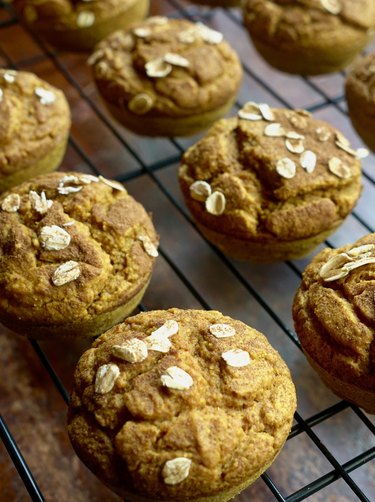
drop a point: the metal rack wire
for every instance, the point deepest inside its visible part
(168, 158)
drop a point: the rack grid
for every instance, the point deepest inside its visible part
(192, 273)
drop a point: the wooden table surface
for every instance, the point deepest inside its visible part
(187, 271)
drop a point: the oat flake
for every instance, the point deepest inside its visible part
(308, 161)
(106, 377)
(11, 203)
(176, 60)
(294, 146)
(158, 68)
(39, 203)
(45, 97)
(332, 6)
(338, 168)
(266, 112)
(323, 134)
(112, 183)
(274, 130)
(132, 351)
(236, 358)
(200, 190)
(286, 168)
(362, 153)
(158, 343)
(250, 111)
(360, 250)
(87, 179)
(176, 470)
(176, 378)
(215, 203)
(85, 19)
(148, 245)
(169, 328)
(222, 330)
(67, 272)
(142, 32)
(10, 76)
(208, 34)
(54, 238)
(331, 270)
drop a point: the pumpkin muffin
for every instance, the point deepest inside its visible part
(311, 37)
(77, 25)
(334, 316)
(180, 405)
(270, 184)
(76, 255)
(360, 96)
(166, 77)
(35, 123)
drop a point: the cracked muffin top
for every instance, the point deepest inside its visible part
(35, 117)
(169, 67)
(334, 312)
(317, 22)
(69, 13)
(271, 174)
(71, 246)
(180, 404)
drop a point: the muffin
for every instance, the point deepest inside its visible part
(78, 25)
(360, 96)
(180, 405)
(270, 184)
(35, 123)
(334, 316)
(311, 37)
(76, 255)
(166, 77)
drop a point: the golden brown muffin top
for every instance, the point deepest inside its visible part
(272, 174)
(69, 14)
(34, 118)
(71, 246)
(179, 404)
(334, 311)
(166, 67)
(360, 85)
(310, 22)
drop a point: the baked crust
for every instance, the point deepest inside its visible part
(315, 36)
(230, 423)
(79, 25)
(238, 159)
(31, 125)
(207, 78)
(106, 231)
(335, 322)
(360, 96)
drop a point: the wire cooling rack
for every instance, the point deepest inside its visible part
(329, 455)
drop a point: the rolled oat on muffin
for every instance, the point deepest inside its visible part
(180, 405)
(35, 124)
(270, 184)
(334, 317)
(76, 255)
(77, 25)
(311, 37)
(166, 77)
